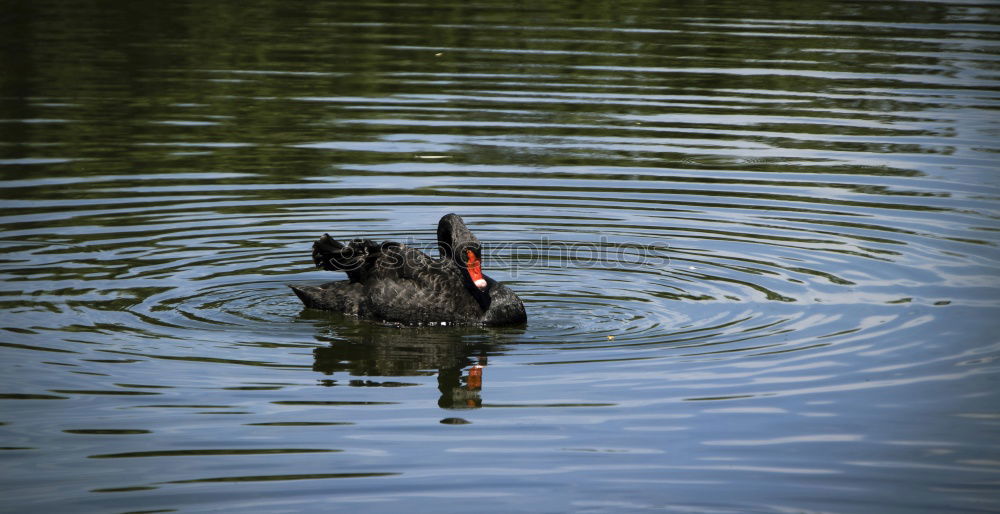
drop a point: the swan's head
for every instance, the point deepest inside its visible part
(457, 243)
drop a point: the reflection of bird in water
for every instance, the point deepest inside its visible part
(462, 397)
(394, 282)
(366, 350)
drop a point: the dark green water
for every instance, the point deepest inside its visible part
(757, 242)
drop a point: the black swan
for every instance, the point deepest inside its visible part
(395, 283)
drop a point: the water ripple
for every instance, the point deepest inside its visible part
(747, 244)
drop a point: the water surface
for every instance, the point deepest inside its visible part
(757, 243)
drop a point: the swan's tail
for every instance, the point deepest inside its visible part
(308, 294)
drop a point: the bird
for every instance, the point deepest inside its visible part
(395, 283)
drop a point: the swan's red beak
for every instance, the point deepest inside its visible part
(475, 270)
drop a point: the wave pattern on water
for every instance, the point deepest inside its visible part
(750, 247)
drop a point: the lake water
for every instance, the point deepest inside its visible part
(757, 242)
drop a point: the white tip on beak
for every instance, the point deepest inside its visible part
(481, 284)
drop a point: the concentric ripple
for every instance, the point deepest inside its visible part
(757, 244)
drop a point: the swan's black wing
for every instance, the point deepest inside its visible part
(365, 261)
(356, 258)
